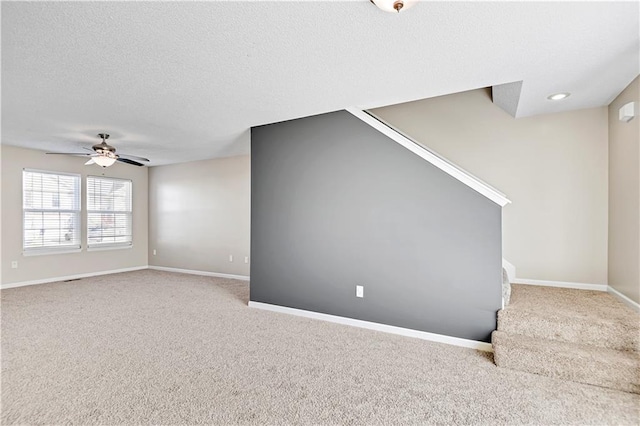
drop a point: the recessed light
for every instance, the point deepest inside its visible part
(558, 96)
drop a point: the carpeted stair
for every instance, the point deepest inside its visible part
(579, 335)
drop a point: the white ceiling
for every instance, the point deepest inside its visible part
(180, 81)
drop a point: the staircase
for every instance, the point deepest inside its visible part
(578, 335)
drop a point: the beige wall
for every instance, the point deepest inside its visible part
(200, 214)
(624, 196)
(61, 265)
(552, 167)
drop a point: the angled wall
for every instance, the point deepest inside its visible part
(335, 204)
(553, 167)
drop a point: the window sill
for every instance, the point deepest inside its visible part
(44, 252)
(110, 247)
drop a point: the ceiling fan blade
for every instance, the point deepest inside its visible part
(77, 154)
(88, 149)
(90, 162)
(127, 161)
(133, 157)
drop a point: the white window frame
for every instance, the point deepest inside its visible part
(76, 245)
(127, 213)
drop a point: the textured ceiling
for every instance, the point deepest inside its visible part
(180, 81)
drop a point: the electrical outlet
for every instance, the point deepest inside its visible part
(246, 259)
(359, 291)
(154, 252)
(14, 264)
(230, 258)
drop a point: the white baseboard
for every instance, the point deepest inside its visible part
(624, 299)
(204, 273)
(456, 341)
(71, 277)
(561, 284)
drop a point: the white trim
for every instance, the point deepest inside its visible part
(110, 247)
(205, 273)
(623, 298)
(456, 341)
(510, 268)
(432, 158)
(71, 277)
(50, 251)
(560, 284)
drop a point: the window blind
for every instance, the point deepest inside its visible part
(109, 212)
(51, 210)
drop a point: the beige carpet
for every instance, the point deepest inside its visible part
(569, 361)
(585, 336)
(574, 316)
(162, 348)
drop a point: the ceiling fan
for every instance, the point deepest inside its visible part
(105, 155)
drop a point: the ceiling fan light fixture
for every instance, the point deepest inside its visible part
(393, 6)
(104, 160)
(105, 154)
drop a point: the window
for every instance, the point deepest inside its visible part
(50, 211)
(109, 215)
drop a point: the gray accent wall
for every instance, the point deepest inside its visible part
(335, 204)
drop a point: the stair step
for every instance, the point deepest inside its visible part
(573, 316)
(568, 361)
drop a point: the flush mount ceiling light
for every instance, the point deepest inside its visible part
(558, 96)
(393, 6)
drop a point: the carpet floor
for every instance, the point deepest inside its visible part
(581, 335)
(161, 348)
(568, 315)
